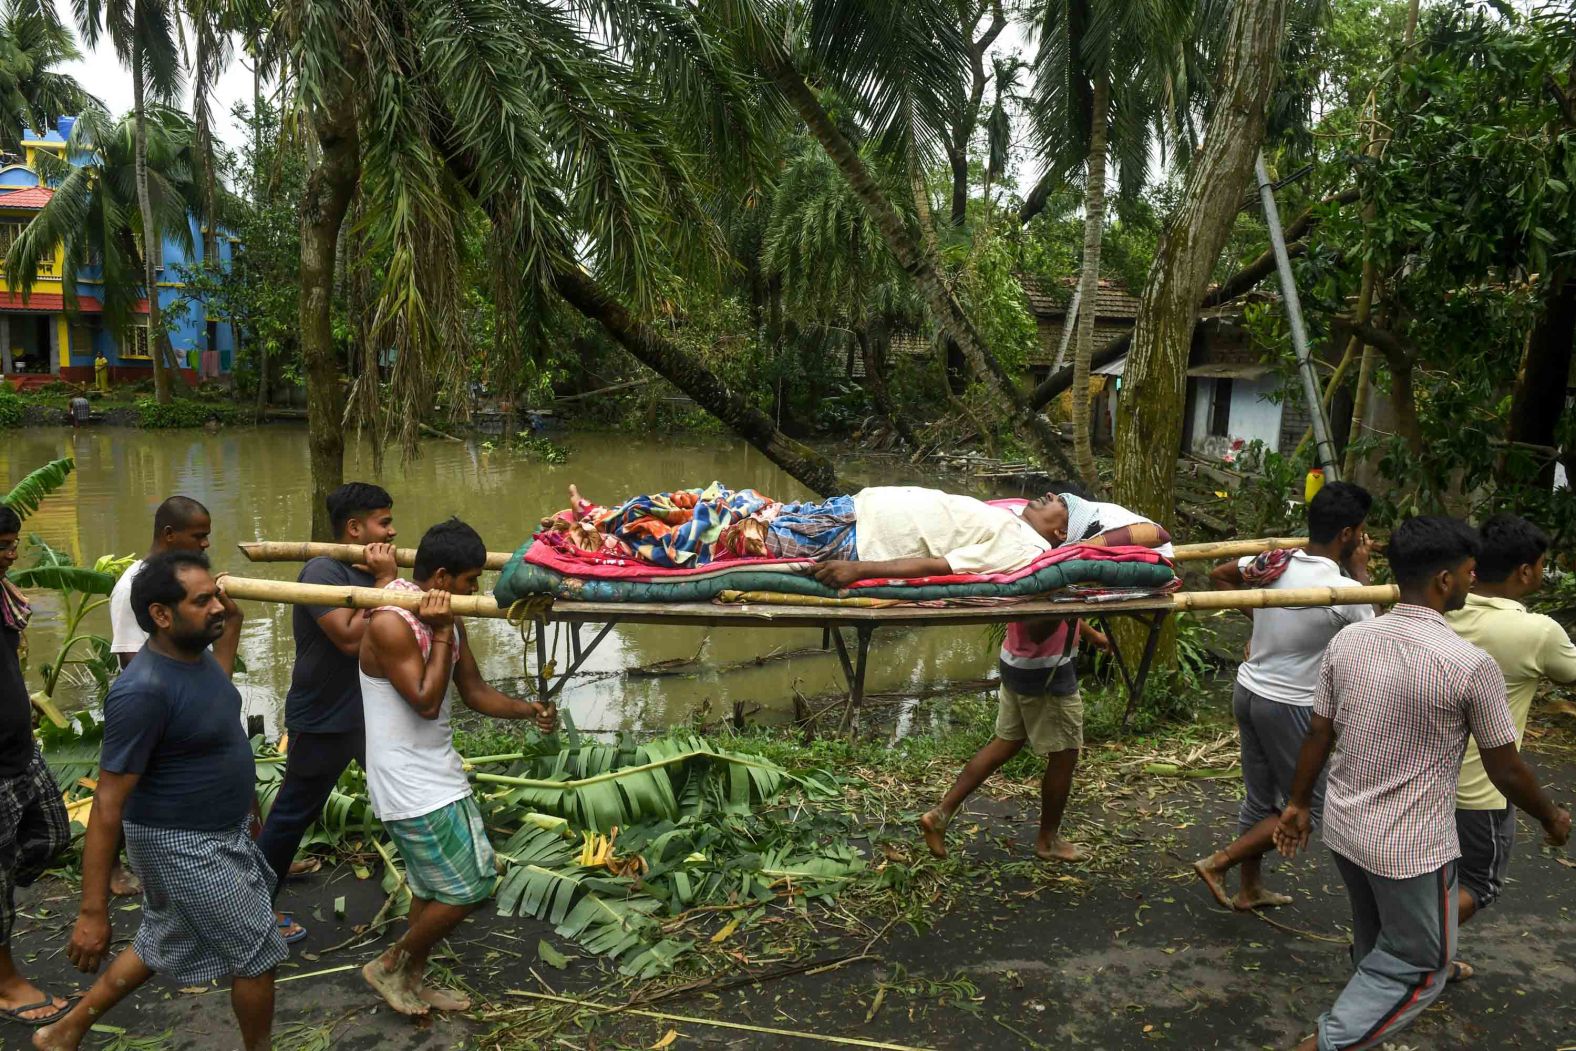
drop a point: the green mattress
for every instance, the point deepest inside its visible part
(520, 579)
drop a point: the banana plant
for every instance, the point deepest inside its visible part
(27, 494)
(82, 590)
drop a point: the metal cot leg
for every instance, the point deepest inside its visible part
(856, 680)
(1136, 684)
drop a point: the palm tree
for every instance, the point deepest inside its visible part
(1107, 72)
(518, 109)
(95, 214)
(143, 35)
(32, 93)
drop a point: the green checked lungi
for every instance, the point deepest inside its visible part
(446, 853)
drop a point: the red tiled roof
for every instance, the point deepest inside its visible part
(50, 302)
(33, 198)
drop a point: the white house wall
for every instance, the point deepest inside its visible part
(1253, 416)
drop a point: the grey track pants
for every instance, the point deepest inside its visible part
(1403, 939)
(1271, 734)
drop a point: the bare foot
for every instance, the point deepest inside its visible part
(1210, 871)
(123, 883)
(1059, 849)
(441, 999)
(1259, 899)
(57, 1037)
(394, 987)
(933, 826)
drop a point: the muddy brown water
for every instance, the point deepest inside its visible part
(255, 481)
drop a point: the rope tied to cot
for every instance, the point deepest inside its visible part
(525, 612)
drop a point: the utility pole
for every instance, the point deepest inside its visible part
(1324, 449)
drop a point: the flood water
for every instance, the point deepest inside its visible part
(255, 482)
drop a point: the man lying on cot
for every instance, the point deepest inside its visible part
(882, 531)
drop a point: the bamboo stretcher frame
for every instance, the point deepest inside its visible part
(1151, 612)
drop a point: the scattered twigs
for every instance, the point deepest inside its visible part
(825, 1038)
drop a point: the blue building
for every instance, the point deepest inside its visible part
(40, 342)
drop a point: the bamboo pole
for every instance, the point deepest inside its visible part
(301, 550)
(1267, 598)
(1236, 548)
(253, 590)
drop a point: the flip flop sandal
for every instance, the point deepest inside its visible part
(15, 1014)
(284, 923)
(1460, 971)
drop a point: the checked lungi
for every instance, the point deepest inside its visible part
(34, 829)
(206, 902)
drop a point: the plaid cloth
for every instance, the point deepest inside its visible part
(1267, 567)
(206, 906)
(820, 531)
(34, 829)
(1404, 692)
(446, 853)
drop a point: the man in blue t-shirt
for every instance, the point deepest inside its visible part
(177, 776)
(323, 707)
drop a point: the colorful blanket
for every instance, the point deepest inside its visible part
(538, 568)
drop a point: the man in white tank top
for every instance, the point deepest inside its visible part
(415, 777)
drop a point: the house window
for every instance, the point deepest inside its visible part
(9, 232)
(213, 335)
(136, 345)
(1220, 410)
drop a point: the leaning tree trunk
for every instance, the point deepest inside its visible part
(158, 339)
(1539, 398)
(1089, 286)
(1039, 435)
(324, 202)
(703, 386)
(1149, 428)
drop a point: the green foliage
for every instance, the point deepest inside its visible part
(540, 447)
(81, 590)
(12, 408)
(25, 497)
(182, 412)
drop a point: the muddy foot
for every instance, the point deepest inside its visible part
(394, 988)
(1260, 899)
(56, 1038)
(1210, 873)
(933, 826)
(441, 999)
(123, 883)
(1060, 850)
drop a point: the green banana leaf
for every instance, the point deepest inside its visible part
(29, 493)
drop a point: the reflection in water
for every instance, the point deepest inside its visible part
(255, 482)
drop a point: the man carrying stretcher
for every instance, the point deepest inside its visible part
(877, 533)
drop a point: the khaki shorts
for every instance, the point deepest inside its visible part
(1049, 723)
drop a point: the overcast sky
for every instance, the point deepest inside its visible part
(102, 74)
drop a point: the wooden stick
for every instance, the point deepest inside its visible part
(1381, 594)
(254, 590)
(301, 550)
(1236, 548)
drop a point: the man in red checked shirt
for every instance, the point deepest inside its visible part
(1397, 699)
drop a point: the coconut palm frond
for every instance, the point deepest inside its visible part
(26, 496)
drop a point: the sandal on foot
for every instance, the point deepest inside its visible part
(1460, 971)
(284, 922)
(16, 1014)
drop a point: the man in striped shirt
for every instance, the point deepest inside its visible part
(1396, 701)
